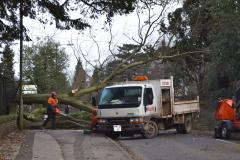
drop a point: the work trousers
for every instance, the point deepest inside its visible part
(51, 116)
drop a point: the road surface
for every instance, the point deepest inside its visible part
(172, 146)
(74, 145)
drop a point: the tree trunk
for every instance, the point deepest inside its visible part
(63, 99)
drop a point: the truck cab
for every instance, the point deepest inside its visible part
(142, 106)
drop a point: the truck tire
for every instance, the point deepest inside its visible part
(187, 126)
(179, 128)
(225, 132)
(217, 133)
(150, 130)
(112, 135)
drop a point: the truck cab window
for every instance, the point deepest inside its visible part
(148, 98)
(121, 97)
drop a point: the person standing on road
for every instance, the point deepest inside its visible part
(51, 110)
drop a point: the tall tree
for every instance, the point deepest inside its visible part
(60, 13)
(45, 65)
(191, 26)
(79, 79)
(225, 37)
(208, 25)
(7, 63)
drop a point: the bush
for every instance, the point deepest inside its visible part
(81, 115)
(35, 115)
(7, 118)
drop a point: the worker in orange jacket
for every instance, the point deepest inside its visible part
(52, 108)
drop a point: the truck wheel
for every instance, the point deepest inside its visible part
(150, 130)
(217, 133)
(179, 128)
(225, 132)
(112, 135)
(187, 126)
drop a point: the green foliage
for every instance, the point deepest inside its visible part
(8, 118)
(128, 54)
(191, 25)
(97, 76)
(59, 13)
(45, 65)
(79, 79)
(35, 115)
(6, 64)
(81, 115)
(225, 36)
(207, 25)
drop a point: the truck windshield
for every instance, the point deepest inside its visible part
(120, 97)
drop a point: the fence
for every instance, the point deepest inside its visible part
(3, 96)
(7, 94)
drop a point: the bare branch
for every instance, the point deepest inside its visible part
(110, 42)
(96, 43)
(119, 70)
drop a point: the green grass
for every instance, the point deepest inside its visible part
(7, 118)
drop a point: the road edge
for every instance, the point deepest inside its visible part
(126, 151)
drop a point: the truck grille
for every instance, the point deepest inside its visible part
(118, 121)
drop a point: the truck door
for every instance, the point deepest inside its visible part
(148, 100)
(166, 101)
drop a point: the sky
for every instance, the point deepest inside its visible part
(89, 42)
(81, 40)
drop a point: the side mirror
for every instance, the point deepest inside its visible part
(94, 101)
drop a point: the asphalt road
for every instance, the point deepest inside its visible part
(172, 146)
(74, 145)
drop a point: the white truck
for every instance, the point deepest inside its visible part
(144, 107)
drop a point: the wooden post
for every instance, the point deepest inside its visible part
(20, 66)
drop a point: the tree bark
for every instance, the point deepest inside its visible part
(63, 99)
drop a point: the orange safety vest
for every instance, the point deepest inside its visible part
(53, 102)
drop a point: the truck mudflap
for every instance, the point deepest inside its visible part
(133, 128)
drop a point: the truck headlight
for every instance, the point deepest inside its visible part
(102, 121)
(137, 120)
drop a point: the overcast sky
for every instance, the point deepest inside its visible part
(72, 38)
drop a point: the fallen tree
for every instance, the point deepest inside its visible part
(159, 50)
(74, 100)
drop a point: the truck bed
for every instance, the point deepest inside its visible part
(189, 106)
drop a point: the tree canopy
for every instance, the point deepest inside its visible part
(60, 13)
(6, 64)
(209, 26)
(45, 65)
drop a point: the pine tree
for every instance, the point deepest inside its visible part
(79, 79)
(7, 64)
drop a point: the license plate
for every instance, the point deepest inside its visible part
(117, 128)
